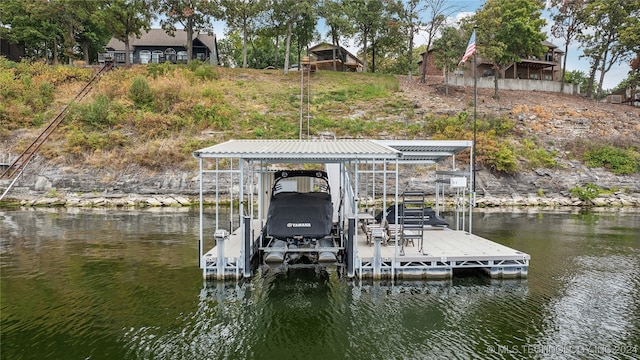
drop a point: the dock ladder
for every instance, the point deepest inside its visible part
(412, 218)
(14, 170)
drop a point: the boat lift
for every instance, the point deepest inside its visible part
(364, 174)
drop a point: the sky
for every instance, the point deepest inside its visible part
(468, 7)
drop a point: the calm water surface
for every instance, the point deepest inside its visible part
(115, 284)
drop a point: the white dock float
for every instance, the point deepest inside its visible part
(444, 250)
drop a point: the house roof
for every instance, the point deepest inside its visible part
(159, 37)
(325, 46)
(551, 46)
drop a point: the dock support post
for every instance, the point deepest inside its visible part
(350, 248)
(247, 247)
(220, 236)
(377, 257)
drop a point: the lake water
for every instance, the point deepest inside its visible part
(124, 284)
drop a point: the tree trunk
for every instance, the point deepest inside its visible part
(410, 54)
(564, 66)
(333, 51)
(373, 56)
(602, 72)
(244, 43)
(446, 81)
(126, 52)
(592, 77)
(189, 30)
(364, 52)
(55, 52)
(287, 49)
(423, 76)
(275, 52)
(340, 55)
(85, 51)
(495, 81)
(70, 48)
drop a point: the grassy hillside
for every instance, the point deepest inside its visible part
(154, 116)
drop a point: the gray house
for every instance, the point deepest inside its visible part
(156, 46)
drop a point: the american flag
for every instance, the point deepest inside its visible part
(471, 48)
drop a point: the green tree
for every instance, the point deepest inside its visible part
(272, 25)
(387, 38)
(577, 77)
(568, 17)
(91, 33)
(338, 25)
(438, 11)
(447, 50)
(293, 13)
(242, 15)
(367, 18)
(126, 18)
(36, 24)
(409, 13)
(507, 30)
(606, 43)
(193, 15)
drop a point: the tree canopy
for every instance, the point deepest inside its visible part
(384, 31)
(507, 30)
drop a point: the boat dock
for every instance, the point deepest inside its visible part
(443, 252)
(361, 245)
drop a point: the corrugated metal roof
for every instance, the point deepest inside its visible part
(336, 150)
(427, 150)
(314, 150)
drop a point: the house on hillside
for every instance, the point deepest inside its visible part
(345, 61)
(547, 67)
(156, 46)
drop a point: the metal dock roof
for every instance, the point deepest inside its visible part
(335, 150)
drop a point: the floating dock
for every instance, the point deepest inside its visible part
(443, 252)
(363, 173)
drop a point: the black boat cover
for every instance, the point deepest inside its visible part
(308, 215)
(430, 217)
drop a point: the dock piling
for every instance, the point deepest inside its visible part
(221, 235)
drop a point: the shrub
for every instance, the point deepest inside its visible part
(156, 70)
(503, 160)
(536, 156)
(586, 193)
(206, 72)
(617, 160)
(95, 114)
(140, 93)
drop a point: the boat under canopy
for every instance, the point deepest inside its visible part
(311, 227)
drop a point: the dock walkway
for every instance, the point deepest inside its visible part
(444, 251)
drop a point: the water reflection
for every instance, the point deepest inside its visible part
(596, 303)
(122, 284)
(304, 313)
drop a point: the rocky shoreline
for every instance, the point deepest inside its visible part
(46, 186)
(615, 200)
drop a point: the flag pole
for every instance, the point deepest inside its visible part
(475, 107)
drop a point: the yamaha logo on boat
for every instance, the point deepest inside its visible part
(299, 225)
